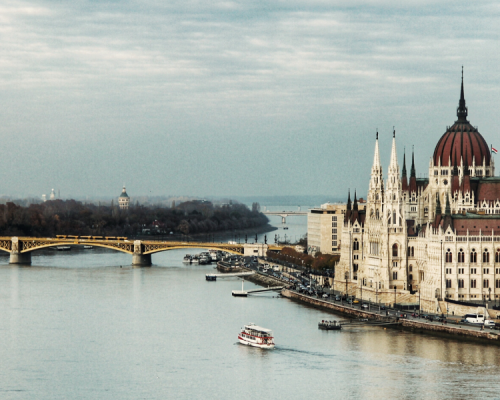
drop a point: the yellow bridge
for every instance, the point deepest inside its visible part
(20, 248)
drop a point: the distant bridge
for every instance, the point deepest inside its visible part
(20, 248)
(284, 214)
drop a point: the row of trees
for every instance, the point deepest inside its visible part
(318, 262)
(72, 217)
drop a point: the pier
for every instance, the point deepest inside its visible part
(213, 277)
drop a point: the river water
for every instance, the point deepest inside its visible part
(86, 325)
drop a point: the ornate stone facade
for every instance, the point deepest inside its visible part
(430, 238)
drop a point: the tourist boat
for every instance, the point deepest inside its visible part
(88, 247)
(256, 336)
(195, 259)
(211, 277)
(187, 259)
(330, 325)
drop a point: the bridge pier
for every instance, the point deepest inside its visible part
(16, 257)
(142, 260)
(20, 258)
(283, 219)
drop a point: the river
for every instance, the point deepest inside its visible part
(84, 324)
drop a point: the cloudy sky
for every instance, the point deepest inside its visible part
(244, 97)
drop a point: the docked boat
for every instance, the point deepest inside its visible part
(88, 247)
(256, 336)
(330, 325)
(211, 277)
(195, 259)
(187, 259)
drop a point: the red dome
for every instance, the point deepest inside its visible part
(461, 140)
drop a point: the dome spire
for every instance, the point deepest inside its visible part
(462, 109)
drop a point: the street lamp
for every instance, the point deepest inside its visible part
(489, 294)
(394, 296)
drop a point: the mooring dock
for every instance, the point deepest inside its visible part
(213, 277)
(244, 293)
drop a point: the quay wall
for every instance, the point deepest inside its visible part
(457, 332)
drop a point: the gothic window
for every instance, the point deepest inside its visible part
(497, 284)
(497, 256)
(448, 256)
(394, 217)
(486, 283)
(411, 268)
(473, 256)
(395, 275)
(377, 214)
(395, 250)
(448, 283)
(461, 256)
(410, 277)
(355, 268)
(355, 245)
(412, 251)
(473, 283)
(486, 256)
(460, 283)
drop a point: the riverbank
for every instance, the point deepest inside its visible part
(417, 326)
(217, 237)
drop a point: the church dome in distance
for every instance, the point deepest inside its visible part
(462, 141)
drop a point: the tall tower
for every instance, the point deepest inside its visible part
(393, 193)
(376, 188)
(124, 200)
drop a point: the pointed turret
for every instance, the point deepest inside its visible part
(355, 206)
(376, 156)
(462, 109)
(447, 214)
(413, 174)
(394, 155)
(349, 206)
(404, 180)
(438, 206)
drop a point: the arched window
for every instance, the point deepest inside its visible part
(497, 256)
(377, 214)
(395, 250)
(448, 256)
(411, 268)
(394, 220)
(486, 256)
(411, 277)
(473, 256)
(461, 256)
(412, 251)
(355, 245)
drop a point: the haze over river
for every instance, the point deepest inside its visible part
(75, 325)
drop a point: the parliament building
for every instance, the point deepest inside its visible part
(433, 241)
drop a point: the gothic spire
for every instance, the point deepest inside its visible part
(462, 109)
(413, 173)
(355, 206)
(438, 206)
(349, 200)
(403, 174)
(447, 210)
(376, 157)
(394, 156)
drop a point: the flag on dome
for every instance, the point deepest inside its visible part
(493, 150)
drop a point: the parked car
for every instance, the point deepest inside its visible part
(355, 301)
(383, 307)
(364, 306)
(325, 295)
(489, 324)
(338, 298)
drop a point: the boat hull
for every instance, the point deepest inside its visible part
(253, 344)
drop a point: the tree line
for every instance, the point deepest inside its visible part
(70, 217)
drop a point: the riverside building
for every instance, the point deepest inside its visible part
(427, 240)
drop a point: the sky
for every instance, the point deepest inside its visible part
(246, 97)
